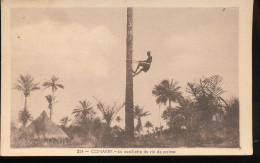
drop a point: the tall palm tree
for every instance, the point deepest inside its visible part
(129, 100)
(139, 113)
(54, 83)
(25, 83)
(165, 91)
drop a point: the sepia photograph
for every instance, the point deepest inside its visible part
(94, 80)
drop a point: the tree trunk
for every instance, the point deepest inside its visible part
(129, 101)
(160, 121)
(51, 108)
(25, 104)
(170, 109)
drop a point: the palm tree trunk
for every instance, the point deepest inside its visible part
(160, 120)
(51, 108)
(129, 101)
(25, 103)
(170, 107)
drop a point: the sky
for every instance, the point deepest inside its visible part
(86, 49)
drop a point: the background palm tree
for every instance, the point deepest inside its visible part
(148, 125)
(166, 91)
(108, 112)
(64, 121)
(207, 97)
(54, 83)
(84, 112)
(25, 83)
(139, 113)
(25, 116)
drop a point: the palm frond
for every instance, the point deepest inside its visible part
(60, 85)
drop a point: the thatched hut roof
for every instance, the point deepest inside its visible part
(43, 127)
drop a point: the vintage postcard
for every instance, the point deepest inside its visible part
(117, 78)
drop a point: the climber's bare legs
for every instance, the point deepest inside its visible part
(138, 72)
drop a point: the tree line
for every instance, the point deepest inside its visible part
(199, 117)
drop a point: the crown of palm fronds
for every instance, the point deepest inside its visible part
(108, 112)
(51, 100)
(139, 112)
(53, 83)
(64, 121)
(208, 88)
(83, 111)
(25, 83)
(148, 124)
(166, 90)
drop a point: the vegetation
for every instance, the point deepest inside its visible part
(25, 116)
(139, 113)
(25, 84)
(108, 112)
(54, 83)
(201, 118)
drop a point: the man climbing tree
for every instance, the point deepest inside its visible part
(144, 64)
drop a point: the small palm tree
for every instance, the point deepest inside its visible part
(84, 112)
(25, 116)
(54, 83)
(25, 83)
(139, 113)
(148, 125)
(108, 112)
(64, 121)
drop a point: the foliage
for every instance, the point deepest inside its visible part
(108, 112)
(25, 116)
(64, 121)
(139, 113)
(118, 119)
(51, 100)
(54, 83)
(21, 138)
(202, 118)
(166, 91)
(25, 83)
(207, 96)
(231, 121)
(84, 113)
(148, 125)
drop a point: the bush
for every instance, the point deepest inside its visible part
(22, 138)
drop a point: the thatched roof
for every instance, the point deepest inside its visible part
(43, 127)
